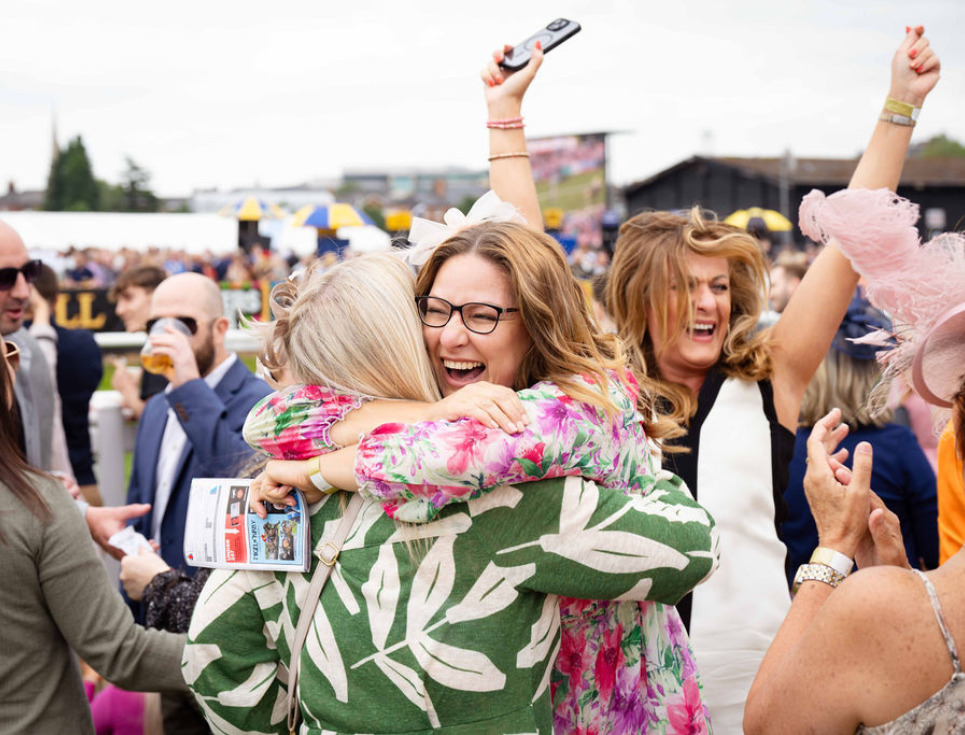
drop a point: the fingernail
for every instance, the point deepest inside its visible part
(919, 68)
(539, 45)
(907, 29)
(489, 82)
(863, 448)
(913, 53)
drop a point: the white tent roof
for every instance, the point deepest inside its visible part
(193, 233)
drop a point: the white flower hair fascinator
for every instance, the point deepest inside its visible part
(426, 235)
(921, 286)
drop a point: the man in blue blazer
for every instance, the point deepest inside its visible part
(193, 428)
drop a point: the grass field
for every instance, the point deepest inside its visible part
(572, 193)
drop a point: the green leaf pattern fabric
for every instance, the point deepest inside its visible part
(450, 626)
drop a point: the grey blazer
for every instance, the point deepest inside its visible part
(35, 399)
(58, 600)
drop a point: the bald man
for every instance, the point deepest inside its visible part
(40, 426)
(192, 429)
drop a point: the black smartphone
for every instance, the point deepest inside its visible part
(550, 37)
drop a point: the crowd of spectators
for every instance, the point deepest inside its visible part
(99, 267)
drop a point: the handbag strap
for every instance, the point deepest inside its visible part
(327, 556)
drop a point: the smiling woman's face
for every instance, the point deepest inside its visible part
(687, 358)
(460, 357)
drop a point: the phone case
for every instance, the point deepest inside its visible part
(550, 37)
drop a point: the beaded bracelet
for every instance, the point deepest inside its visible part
(508, 124)
(517, 154)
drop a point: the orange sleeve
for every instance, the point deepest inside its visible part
(951, 497)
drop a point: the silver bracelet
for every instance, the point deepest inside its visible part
(896, 119)
(816, 573)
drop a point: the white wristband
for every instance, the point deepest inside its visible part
(320, 483)
(834, 559)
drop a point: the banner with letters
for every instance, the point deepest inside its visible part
(92, 308)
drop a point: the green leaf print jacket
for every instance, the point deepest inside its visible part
(450, 626)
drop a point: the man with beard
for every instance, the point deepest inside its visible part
(39, 425)
(193, 428)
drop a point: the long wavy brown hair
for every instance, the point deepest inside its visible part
(18, 476)
(650, 256)
(564, 336)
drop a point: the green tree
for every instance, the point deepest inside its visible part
(465, 204)
(112, 197)
(346, 189)
(71, 186)
(136, 185)
(941, 146)
(376, 214)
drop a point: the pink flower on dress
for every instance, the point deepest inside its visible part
(686, 715)
(573, 661)
(609, 659)
(464, 440)
(535, 453)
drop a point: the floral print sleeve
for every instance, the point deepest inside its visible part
(294, 423)
(416, 470)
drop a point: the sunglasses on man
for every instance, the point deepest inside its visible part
(190, 322)
(8, 276)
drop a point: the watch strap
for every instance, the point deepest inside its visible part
(816, 573)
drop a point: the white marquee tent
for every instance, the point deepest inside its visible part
(57, 231)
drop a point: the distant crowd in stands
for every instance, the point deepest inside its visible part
(99, 267)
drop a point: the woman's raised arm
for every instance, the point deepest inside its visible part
(804, 332)
(510, 174)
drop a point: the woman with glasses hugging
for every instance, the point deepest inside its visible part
(520, 323)
(452, 624)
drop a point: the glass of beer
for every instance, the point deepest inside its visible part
(156, 363)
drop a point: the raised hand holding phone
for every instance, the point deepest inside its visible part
(547, 38)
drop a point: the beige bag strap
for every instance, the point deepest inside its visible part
(327, 556)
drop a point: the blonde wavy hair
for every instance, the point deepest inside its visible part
(353, 328)
(565, 340)
(650, 256)
(845, 382)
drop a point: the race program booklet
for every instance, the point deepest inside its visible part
(221, 531)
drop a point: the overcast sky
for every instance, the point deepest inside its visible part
(232, 94)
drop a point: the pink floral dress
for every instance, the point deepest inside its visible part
(623, 666)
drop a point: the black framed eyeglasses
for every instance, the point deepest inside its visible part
(30, 270)
(478, 318)
(189, 321)
(11, 353)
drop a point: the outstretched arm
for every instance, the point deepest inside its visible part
(804, 332)
(303, 421)
(416, 470)
(510, 175)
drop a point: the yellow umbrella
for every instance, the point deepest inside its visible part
(774, 221)
(252, 209)
(330, 217)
